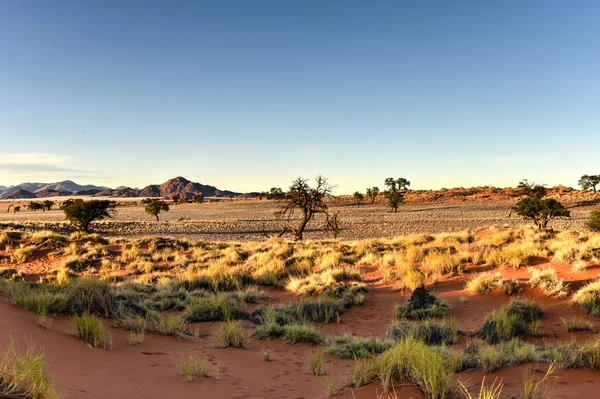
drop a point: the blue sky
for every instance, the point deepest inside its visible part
(247, 95)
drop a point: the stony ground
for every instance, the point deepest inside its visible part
(253, 220)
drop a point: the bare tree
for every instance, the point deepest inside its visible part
(302, 203)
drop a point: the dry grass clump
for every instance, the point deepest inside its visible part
(169, 324)
(353, 347)
(193, 366)
(549, 282)
(22, 254)
(315, 283)
(232, 334)
(588, 298)
(492, 391)
(89, 329)
(576, 324)
(23, 373)
(485, 282)
(315, 364)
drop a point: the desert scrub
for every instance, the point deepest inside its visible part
(485, 282)
(429, 369)
(422, 305)
(192, 366)
(511, 287)
(89, 329)
(218, 307)
(549, 282)
(317, 282)
(43, 302)
(23, 373)
(43, 236)
(22, 254)
(353, 347)
(304, 334)
(430, 332)
(575, 324)
(492, 391)
(76, 263)
(232, 334)
(169, 324)
(518, 317)
(588, 298)
(322, 310)
(438, 262)
(593, 220)
(89, 295)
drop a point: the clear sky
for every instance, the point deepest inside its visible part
(246, 95)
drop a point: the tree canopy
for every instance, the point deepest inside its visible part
(540, 210)
(82, 213)
(154, 206)
(589, 182)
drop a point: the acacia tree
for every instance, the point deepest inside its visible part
(199, 198)
(589, 181)
(372, 194)
(540, 210)
(357, 198)
(394, 197)
(154, 206)
(531, 189)
(48, 204)
(82, 213)
(35, 206)
(302, 203)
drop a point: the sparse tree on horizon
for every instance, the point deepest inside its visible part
(372, 194)
(154, 206)
(48, 205)
(531, 189)
(16, 209)
(357, 198)
(302, 203)
(393, 195)
(82, 213)
(35, 206)
(589, 181)
(199, 198)
(540, 210)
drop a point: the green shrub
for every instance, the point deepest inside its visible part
(89, 295)
(430, 332)
(214, 308)
(232, 334)
(89, 329)
(322, 310)
(514, 319)
(22, 254)
(193, 366)
(303, 333)
(575, 324)
(43, 302)
(422, 305)
(353, 347)
(269, 331)
(593, 220)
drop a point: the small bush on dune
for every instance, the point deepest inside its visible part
(593, 221)
(89, 329)
(315, 364)
(22, 254)
(167, 324)
(23, 374)
(422, 305)
(353, 347)
(232, 334)
(430, 332)
(485, 282)
(575, 324)
(217, 307)
(588, 298)
(303, 333)
(322, 310)
(511, 287)
(10, 238)
(193, 366)
(43, 236)
(514, 319)
(549, 282)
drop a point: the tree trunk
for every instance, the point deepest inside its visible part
(156, 216)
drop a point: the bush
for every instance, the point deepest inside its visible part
(322, 310)
(422, 305)
(353, 347)
(575, 324)
(514, 319)
(217, 307)
(303, 333)
(23, 374)
(485, 282)
(233, 334)
(549, 282)
(588, 298)
(82, 213)
(431, 333)
(43, 303)
(593, 220)
(89, 295)
(511, 287)
(22, 254)
(167, 324)
(89, 329)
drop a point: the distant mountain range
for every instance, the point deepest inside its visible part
(173, 188)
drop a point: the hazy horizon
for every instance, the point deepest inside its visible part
(246, 96)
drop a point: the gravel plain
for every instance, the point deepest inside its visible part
(255, 220)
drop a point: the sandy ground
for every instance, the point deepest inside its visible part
(252, 220)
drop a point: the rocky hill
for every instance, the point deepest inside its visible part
(52, 193)
(20, 193)
(65, 185)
